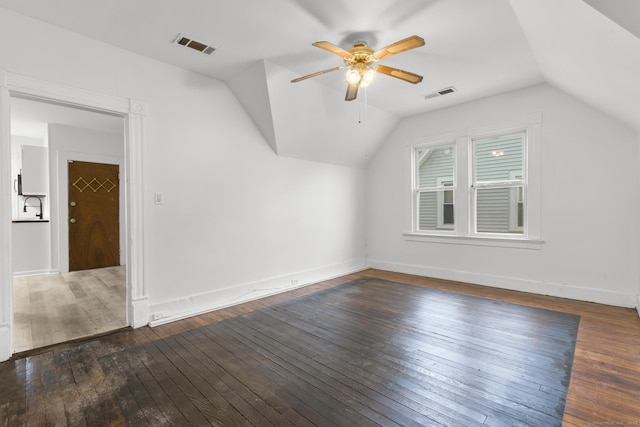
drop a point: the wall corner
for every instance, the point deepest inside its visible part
(6, 346)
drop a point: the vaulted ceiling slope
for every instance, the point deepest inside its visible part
(589, 48)
(310, 121)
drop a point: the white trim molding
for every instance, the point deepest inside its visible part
(475, 241)
(133, 112)
(170, 311)
(574, 292)
(6, 276)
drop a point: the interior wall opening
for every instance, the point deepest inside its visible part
(52, 302)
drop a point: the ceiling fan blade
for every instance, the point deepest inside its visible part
(352, 92)
(399, 46)
(330, 47)
(316, 74)
(399, 74)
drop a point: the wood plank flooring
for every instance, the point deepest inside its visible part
(54, 308)
(91, 383)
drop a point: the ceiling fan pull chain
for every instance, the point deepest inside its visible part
(365, 103)
(362, 116)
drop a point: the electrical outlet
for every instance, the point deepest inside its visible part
(294, 282)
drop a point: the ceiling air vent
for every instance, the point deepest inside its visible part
(185, 41)
(441, 92)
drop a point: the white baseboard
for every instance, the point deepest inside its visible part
(193, 305)
(139, 315)
(601, 296)
(34, 273)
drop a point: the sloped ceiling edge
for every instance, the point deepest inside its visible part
(313, 121)
(250, 88)
(586, 54)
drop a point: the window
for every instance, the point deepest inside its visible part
(498, 184)
(481, 186)
(435, 187)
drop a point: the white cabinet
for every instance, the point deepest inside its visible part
(30, 169)
(31, 248)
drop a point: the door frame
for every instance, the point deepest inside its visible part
(133, 112)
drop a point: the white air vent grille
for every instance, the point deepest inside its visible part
(441, 92)
(185, 41)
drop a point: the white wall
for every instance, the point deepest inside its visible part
(237, 221)
(589, 212)
(30, 241)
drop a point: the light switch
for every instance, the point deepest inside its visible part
(159, 199)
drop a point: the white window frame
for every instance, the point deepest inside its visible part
(513, 203)
(464, 231)
(512, 183)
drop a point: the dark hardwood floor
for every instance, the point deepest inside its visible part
(366, 353)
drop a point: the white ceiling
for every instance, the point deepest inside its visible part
(477, 46)
(482, 47)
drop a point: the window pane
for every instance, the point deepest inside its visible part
(448, 197)
(447, 215)
(497, 212)
(432, 164)
(433, 212)
(520, 215)
(427, 211)
(495, 159)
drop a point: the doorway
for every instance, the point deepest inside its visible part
(133, 112)
(70, 293)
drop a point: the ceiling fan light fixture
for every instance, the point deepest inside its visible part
(367, 77)
(352, 76)
(360, 74)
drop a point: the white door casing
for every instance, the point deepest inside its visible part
(133, 112)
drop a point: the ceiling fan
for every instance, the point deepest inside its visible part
(359, 63)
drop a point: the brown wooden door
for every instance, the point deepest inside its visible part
(94, 208)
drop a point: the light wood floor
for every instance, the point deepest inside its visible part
(55, 308)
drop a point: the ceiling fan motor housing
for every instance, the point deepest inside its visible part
(360, 53)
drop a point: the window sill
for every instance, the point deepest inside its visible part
(499, 242)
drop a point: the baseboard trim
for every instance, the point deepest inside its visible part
(139, 314)
(600, 296)
(170, 311)
(34, 273)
